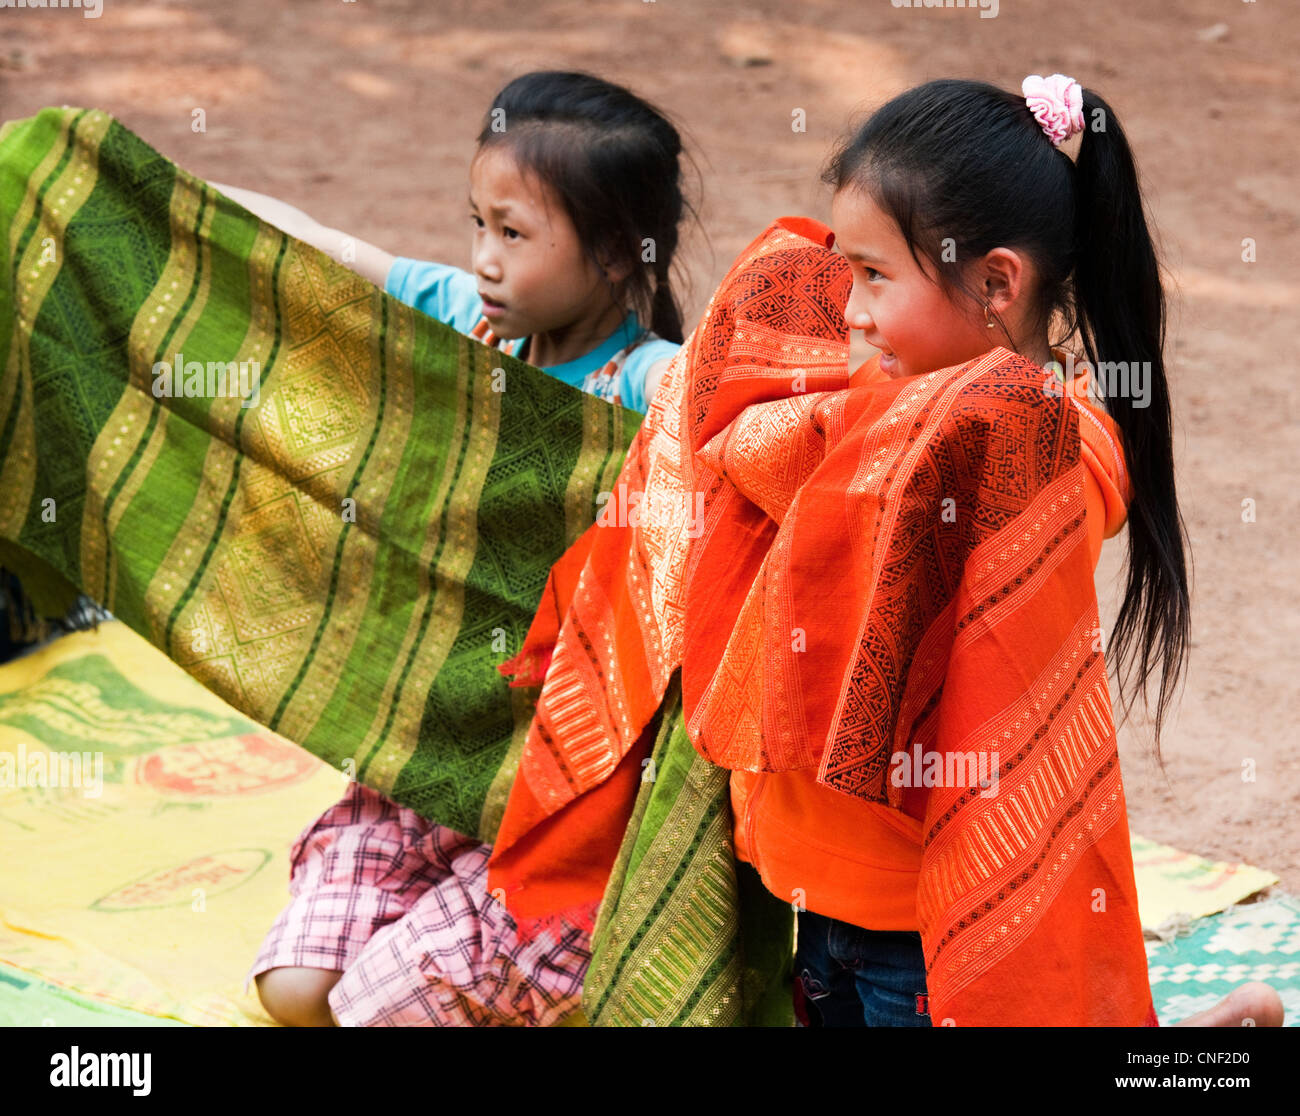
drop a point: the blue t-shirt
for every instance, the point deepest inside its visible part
(451, 295)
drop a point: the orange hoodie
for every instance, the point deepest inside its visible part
(858, 861)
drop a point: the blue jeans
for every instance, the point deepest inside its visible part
(846, 976)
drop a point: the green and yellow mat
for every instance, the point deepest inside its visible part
(139, 896)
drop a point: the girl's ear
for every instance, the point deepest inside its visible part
(615, 271)
(1002, 278)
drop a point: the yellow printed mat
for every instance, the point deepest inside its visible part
(145, 829)
(1177, 887)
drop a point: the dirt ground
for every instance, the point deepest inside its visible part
(363, 115)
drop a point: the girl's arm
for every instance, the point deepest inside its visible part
(365, 259)
(653, 375)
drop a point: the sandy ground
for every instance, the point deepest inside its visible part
(363, 115)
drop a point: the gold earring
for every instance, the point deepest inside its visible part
(987, 320)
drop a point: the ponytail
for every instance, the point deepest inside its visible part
(1119, 307)
(665, 317)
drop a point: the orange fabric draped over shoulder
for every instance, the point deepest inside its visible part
(881, 580)
(607, 640)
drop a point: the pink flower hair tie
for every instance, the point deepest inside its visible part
(1057, 105)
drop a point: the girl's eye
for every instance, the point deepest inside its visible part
(478, 221)
(511, 234)
(872, 274)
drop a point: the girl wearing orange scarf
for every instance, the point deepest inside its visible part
(878, 589)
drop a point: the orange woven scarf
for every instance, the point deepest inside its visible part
(850, 577)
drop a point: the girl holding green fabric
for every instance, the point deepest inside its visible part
(575, 197)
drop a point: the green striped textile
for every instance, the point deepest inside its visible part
(687, 936)
(347, 560)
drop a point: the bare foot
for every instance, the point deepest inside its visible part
(298, 996)
(1250, 1005)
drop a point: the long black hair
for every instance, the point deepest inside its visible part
(963, 167)
(613, 161)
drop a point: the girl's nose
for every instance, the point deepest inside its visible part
(856, 315)
(485, 263)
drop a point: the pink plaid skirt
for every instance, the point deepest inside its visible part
(401, 908)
